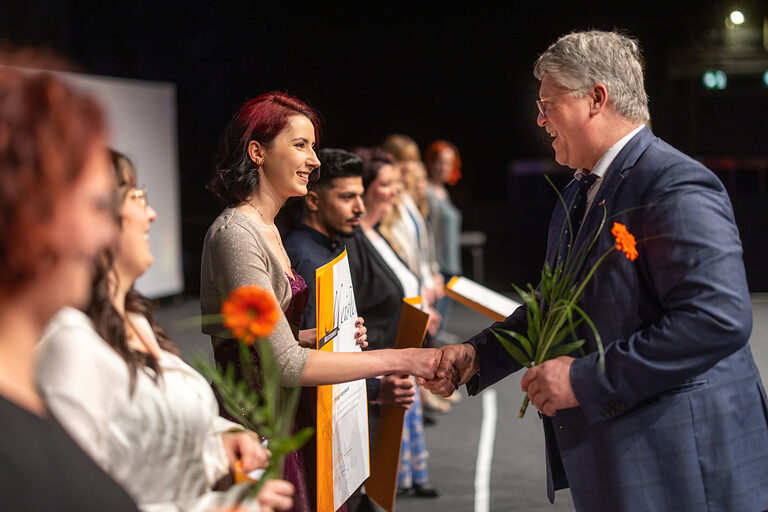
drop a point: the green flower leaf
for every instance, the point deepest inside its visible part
(598, 339)
(564, 350)
(293, 443)
(513, 351)
(525, 343)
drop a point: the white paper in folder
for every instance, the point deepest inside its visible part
(482, 296)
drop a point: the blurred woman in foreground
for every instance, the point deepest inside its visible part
(55, 215)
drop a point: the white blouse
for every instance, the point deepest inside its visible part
(162, 443)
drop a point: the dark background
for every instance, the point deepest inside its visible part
(457, 71)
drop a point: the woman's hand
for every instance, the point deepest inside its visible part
(275, 495)
(422, 362)
(361, 338)
(308, 338)
(244, 446)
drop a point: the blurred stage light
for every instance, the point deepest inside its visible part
(715, 80)
(765, 79)
(736, 17)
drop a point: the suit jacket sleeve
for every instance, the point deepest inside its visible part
(689, 280)
(494, 361)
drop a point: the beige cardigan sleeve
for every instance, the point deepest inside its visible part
(235, 254)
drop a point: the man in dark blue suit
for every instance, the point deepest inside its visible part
(678, 419)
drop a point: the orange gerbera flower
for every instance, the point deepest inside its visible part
(625, 241)
(250, 312)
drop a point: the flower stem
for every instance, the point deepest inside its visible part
(524, 407)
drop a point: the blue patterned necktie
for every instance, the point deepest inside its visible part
(577, 210)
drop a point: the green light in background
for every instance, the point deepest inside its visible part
(715, 80)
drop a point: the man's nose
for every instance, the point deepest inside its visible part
(359, 206)
(541, 119)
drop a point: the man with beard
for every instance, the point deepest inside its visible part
(332, 210)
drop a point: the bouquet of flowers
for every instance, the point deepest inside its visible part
(250, 314)
(553, 311)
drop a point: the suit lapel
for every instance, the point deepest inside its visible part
(619, 169)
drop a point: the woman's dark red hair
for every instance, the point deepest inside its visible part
(434, 149)
(47, 133)
(260, 119)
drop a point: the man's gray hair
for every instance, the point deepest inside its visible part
(580, 60)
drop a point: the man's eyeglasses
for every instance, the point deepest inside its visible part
(543, 108)
(140, 196)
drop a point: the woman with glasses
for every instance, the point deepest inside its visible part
(55, 197)
(115, 379)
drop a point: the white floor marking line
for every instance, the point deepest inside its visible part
(485, 452)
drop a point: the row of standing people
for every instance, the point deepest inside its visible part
(111, 418)
(347, 207)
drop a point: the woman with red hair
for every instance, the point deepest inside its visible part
(55, 215)
(444, 168)
(267, 155)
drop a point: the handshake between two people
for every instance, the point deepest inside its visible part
(456, 365)
(548, 384)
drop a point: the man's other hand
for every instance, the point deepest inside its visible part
(549, 385)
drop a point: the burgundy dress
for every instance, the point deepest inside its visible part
(300, 466)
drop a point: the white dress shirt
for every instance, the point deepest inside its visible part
(602, 165)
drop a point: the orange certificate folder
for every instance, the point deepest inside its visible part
(385, 456)
(342, 409)
(481, 299)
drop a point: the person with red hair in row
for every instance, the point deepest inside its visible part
(444, 168)
(55, 215)
(267, 155)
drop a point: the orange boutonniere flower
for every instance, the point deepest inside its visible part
(625, 241)
(250, 313)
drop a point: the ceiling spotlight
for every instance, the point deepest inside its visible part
(736, 17)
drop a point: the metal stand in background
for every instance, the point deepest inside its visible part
(475, 240)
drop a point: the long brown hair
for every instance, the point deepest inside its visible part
(109, 323)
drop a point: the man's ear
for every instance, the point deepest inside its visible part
(599, 98)
(312, 201)
(256, 152)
